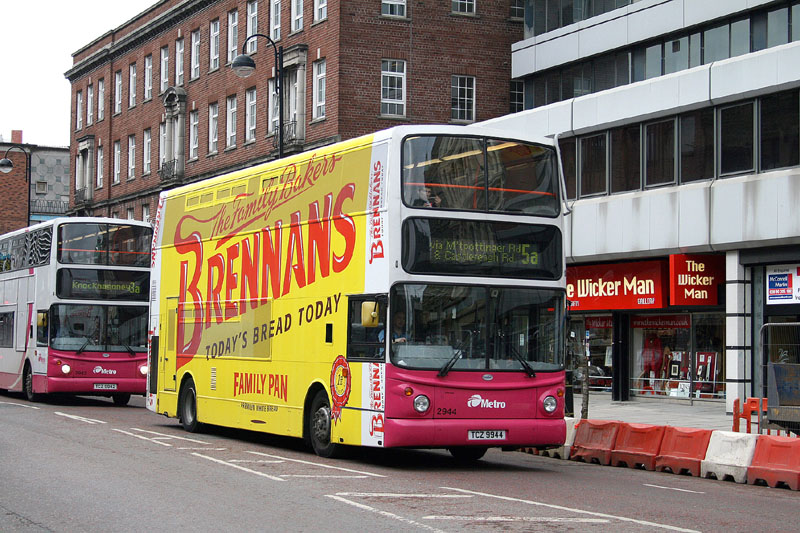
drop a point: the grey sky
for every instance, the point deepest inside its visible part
(37, 42)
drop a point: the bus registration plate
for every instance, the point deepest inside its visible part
(486, 434)
(105, 386)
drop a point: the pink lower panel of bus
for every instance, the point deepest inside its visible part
(474, 432)
(483, 408)
(94, 373)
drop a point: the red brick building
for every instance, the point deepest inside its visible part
(155, 103)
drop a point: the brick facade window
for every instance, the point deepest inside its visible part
(250, 115)
(230, 124)
(101, 99)
(194, 134)
(147, 147)
(252, 25)
(320, 9)
(393, 8)
(179, 62)
(118, 91)
(463, 6)
(318, 111)
(297, 15)
(148, 77)
(78, 110)
(213, 127)
(393, 87)
(164, 72)
(213, 45)
(275, 20)
(462, 98)
(195, 55)
(89, 105)
(131, 156)
(233, 34)
(132, 85)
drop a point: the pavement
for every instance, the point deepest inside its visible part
(702, 414)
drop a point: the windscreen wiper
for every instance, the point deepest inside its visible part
(456, 356)
(82, 348)
(130, 350)
(525, 365)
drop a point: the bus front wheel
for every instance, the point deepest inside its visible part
(27, 385)
(187, 407)
(121, 399)
(319, 427)
(467, 454)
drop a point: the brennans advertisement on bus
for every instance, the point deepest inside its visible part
(262, 264)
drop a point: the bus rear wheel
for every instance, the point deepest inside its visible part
(121, 399)
(187, 407)
(319, 427)
(27, 385)
(467, 454)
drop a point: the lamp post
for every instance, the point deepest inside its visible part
(6, 166)
(243, 65)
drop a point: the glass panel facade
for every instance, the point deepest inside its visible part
(697, 145)
(780, 136)
(660, 153)
(736, 138)
(593, 165)
(625, 173)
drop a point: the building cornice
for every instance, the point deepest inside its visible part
(135, 37)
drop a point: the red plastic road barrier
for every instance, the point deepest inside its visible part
(776, 460)
(594, 440)
(637, 444)
(682, 449)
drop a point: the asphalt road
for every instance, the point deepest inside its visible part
(82, 464)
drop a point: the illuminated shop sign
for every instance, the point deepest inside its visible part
(637, 285)
(695, 279)
(783, 284)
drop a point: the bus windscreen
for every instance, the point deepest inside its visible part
(104, 244)
(479, 248)
(477, 174)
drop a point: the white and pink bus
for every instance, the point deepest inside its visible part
(73, 308)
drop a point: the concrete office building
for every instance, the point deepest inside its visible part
(678, 123)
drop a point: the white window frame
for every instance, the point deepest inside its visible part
(101, 99)
(275, 20)
(146, 212)
(179, 62)
(89, 104)
(388, 72)
(194, 134)
(195, 55)
(131, 214)
(297, 15)
(233, 35)
(132, 85)
(78, 110)
(318, 89)
(250, 115)
(164, 74)
(456, 82)
(252, 25)
(272, 122)
(118, 91)
(213, 127)
(147, 147)
(99, 175)
(213, 45)
(464, 7)
(131, 156)
(116, 161)
(393, 8)
(148, 77)
(162, 144)
(320, 10)
(230, 122)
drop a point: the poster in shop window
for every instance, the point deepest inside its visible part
(783, 284)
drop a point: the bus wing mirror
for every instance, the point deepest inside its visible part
(370, 312)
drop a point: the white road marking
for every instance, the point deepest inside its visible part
(575, 510)
(400, 495)
(324, 476)
(317, 464)
(20, 405)
(167, 436)
(80, 418)
(382, 513)
(249, 471)
(540, 519)
(206, 449)
(672, 488)
(143, 438)
(256, 461)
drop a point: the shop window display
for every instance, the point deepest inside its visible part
(678, 355)
(598, 344)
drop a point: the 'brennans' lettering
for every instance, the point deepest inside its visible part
(259, 266)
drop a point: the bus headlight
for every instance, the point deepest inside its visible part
(549, 404)
(421, 403)
(65, 368)
(143, 370)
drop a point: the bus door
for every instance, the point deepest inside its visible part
(167, 363)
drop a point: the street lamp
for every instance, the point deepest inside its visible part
(243, 65)
(6, 165)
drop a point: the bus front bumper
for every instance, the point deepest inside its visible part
(93, 386)
(443, 433)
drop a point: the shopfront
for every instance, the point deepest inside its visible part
(654, 328)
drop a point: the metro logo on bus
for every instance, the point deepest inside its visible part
(477, 401)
